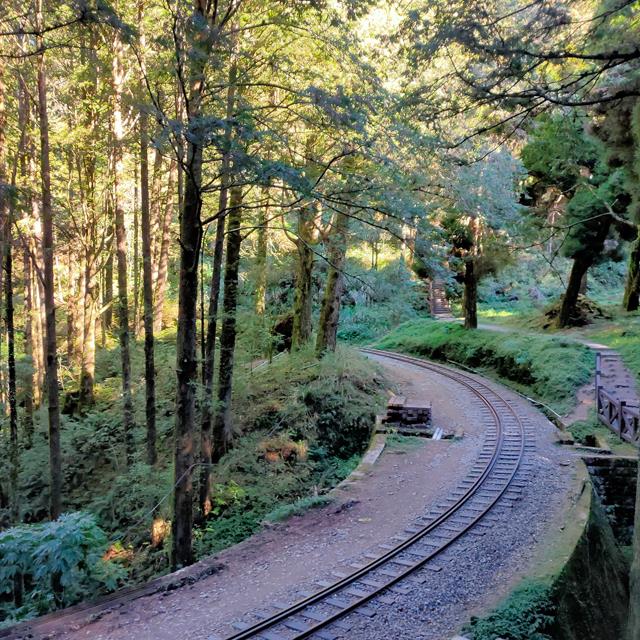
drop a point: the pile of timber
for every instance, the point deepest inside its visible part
(407, 418)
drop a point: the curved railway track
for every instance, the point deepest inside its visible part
(495, 480)
(496, 477)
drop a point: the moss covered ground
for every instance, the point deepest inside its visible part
(548, 368)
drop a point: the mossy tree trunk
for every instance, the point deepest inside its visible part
(186, 360)
(222, 424)
(302, 302)
(470, 295)
(631, 300)
(570, 299)
(330, 311)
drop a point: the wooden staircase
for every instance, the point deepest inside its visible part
(438, 300)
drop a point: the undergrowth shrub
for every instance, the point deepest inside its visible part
(304, 423)
(125, 505)
(377, 301)
(55, 564)
(299, 422)
(524, 615)
(548, 367)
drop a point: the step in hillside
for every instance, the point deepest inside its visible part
(439, 304)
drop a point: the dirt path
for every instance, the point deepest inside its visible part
(280, 563)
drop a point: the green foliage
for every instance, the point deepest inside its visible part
(523, 290)
(68, 552)
(549, 368)
(379, 301)
(584, 431)
(125, 503)
(305, 422)
(524, 615)
(404, 443)
(558, 149)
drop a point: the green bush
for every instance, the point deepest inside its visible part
(55, 563)
(378, 301)
(547, 367)
(524, 615)
(305, 422)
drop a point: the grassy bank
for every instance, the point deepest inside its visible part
(301, 425)
(623, 335)
(548, 368)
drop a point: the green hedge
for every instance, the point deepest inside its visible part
(548, 368)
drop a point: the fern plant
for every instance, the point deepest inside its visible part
(53, 564)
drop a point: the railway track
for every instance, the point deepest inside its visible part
(496, 479)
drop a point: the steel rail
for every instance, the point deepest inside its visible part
(131, 593)
(255, 630)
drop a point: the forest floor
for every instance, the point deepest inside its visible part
(280, 562)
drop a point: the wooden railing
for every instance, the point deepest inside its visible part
(614, 413)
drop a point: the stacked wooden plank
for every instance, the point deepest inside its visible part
(407, 417)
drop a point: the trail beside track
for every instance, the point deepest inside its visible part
(524, 492)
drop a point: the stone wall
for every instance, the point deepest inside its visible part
(591, 593)
(614, 481)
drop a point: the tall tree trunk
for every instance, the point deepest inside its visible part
(121, 249)
(186, 365)
(147, 283)
(11, 362)
(136, 260)
(33, 244)
(107, 290)
(222, 424)
(155, 207)
(75, 326)
(261, 256)
(631, 301)
(55, 457)
(330, 311)
(24, 162)
(88, 364)
(470, 295)
(6, 257)
(28, 347)
(206, 444)
(4, 217)
(162, 256)
(89, 268)
(570, 299)
(302, 303)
